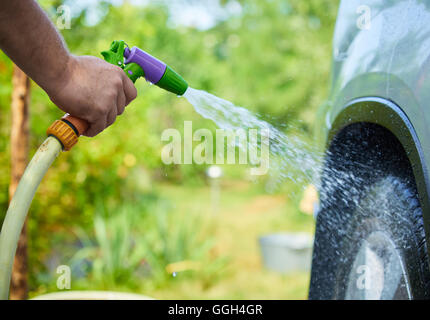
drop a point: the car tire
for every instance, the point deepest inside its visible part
(377, 250)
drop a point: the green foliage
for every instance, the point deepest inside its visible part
(140, 242)
(115, 255)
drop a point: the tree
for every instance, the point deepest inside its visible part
(19, 157)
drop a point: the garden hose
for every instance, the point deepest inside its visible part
(63, 134)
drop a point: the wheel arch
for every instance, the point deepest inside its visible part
(386, 114)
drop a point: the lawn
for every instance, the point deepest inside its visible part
(244, 214)
(230, 269)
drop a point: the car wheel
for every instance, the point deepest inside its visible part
(375, 251)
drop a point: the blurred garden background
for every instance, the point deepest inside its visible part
(123, 220)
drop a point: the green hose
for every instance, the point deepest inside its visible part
(18, 208)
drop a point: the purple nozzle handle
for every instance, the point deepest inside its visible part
(154, 69)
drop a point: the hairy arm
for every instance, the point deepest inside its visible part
(29, 38)
(86, 87)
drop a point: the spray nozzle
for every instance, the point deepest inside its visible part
(138, 63)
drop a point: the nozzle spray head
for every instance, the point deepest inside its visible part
(137, 63)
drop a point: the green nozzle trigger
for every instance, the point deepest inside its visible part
(115, 56)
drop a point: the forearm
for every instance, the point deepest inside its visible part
(85, 87)
(30, 39)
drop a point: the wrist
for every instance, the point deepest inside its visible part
(57, 78)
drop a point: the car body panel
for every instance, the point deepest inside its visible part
(381, 74)
(390, 59)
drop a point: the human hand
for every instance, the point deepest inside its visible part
(93, 90)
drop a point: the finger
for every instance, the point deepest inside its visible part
(96, 127)
(129, 89)
(111, 116)
(121, 101)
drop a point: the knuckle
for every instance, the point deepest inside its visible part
(111, 95)
(117, 82)
(101, 110)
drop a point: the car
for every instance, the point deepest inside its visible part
(372, 227)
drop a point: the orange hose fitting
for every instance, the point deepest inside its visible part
(67, 130)
(64, 133)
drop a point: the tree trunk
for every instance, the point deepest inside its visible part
(19, 156)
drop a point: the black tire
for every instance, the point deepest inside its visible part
(367, 213)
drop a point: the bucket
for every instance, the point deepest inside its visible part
(287, 252)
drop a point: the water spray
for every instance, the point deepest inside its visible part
(63, 134)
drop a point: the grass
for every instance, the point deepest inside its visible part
(244, 214)
(233, 269)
